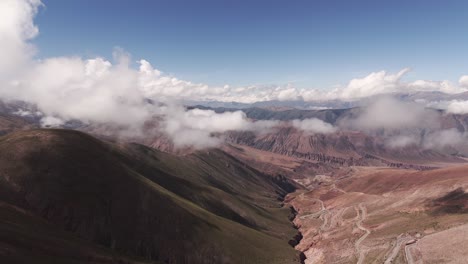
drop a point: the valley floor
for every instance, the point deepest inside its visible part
(383, 215)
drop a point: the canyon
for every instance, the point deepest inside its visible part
(285, 196)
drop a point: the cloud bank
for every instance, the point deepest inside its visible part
(438, 139)
(392, 114)
(202, 128)
(404, 124)
(99, 90)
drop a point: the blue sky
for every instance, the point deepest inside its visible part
(314, 44)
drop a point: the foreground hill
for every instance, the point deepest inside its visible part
(75, 198)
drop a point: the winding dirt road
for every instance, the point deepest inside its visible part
(402, 239)
(322, 211)
(337, 218)
(409, 255)
(357, 245)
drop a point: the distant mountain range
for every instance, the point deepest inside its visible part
(85, 195)
(333, 104)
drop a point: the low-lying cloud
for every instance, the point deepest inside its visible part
(451, 106)
(444, 138)
(438, 139)
(314, 126)
(457, 107)
(404, 124)
(100, 90)
(401, 141)
(202, 128)
(392, 114)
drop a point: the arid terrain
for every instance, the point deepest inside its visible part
(233, 132)
(289, 196)
(377, 215)
(362, 214)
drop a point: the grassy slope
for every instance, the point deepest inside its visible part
(27, 238)
(204, 208)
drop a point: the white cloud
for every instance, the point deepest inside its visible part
(154, 84)
(452, 106)
(439, 86)
(67, 88)
(157, 85)
(202, 128)
(288, 94)
(378, 83)
(390, 113)
(16, 28)
(97, 90)
(313, 125)
(101, 92)
(263, 126)
(457, 107)
(374, 83)
(463, 81)
(88, 90)
(437, 139)
(444, 138)
(50, 121)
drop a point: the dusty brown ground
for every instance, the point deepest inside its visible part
(382, 215)
(455, 249)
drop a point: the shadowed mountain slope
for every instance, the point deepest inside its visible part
(202, 208)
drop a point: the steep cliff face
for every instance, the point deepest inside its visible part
(203, 208)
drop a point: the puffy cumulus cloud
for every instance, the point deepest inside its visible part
(88, 90)
(456, 107)
(202, 128)
(64, 88)
(99, 91)
(154, 84)
(313, 126)
(452, 106)
(288, 94)
(376, 83)
(392, 114)
(16, 28)
(428, 86)
(373, 84)
(463, 81)
(379, 83)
